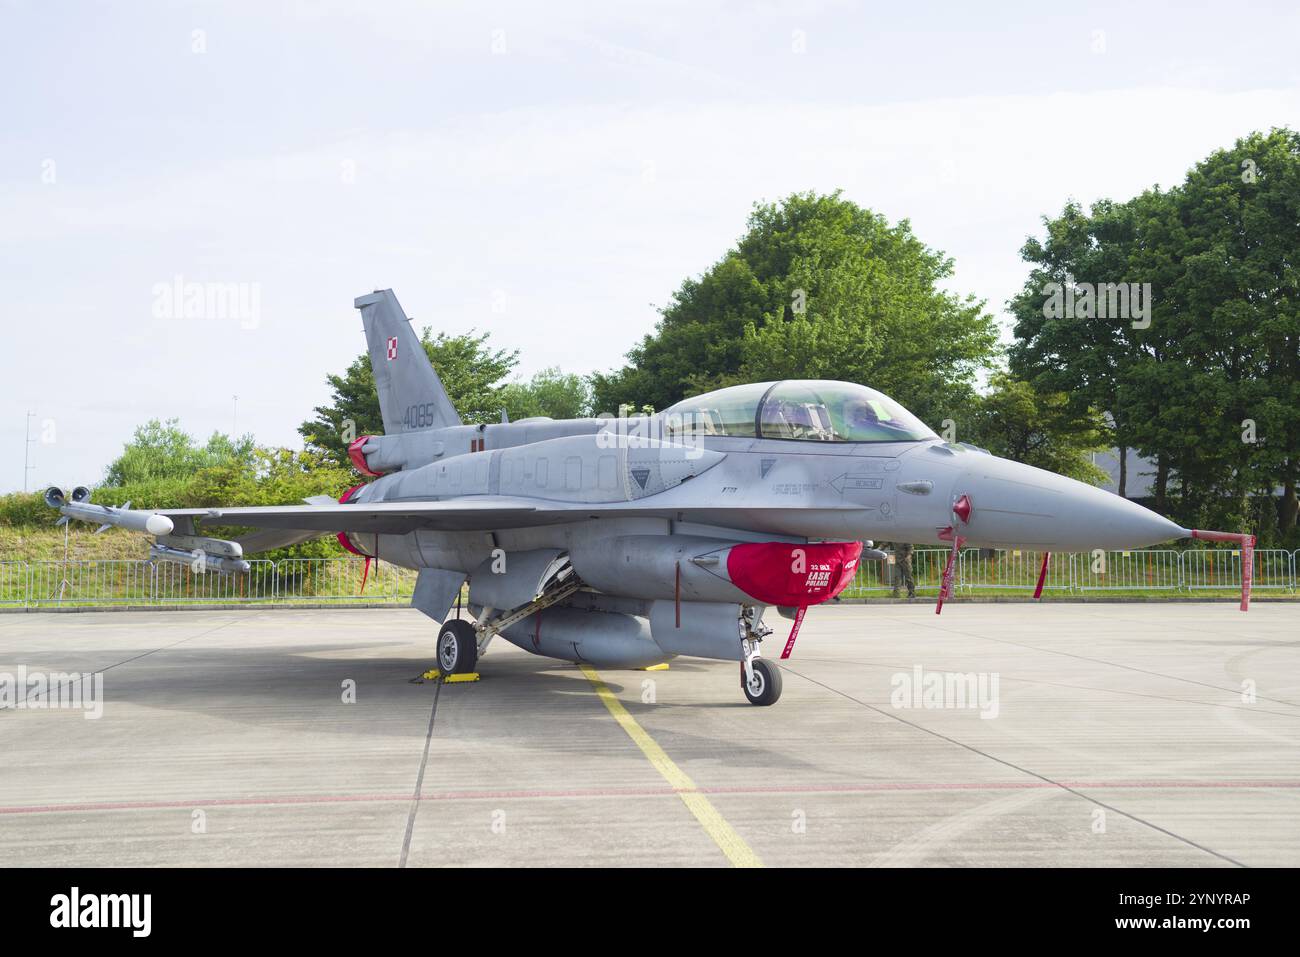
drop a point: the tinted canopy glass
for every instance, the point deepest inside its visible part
(809, 410)
(731, 411)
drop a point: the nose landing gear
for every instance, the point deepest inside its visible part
(759, 679)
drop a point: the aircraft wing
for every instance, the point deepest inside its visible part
(467, 514)
(385, 517)
(267, 539)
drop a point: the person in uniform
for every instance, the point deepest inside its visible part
(903, 569)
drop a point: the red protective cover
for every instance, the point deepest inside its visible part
(359, 459)
(343, 536)
(779, 573)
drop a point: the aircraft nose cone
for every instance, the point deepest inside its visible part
(1015, 504)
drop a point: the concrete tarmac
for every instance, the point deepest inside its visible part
(1066, 734)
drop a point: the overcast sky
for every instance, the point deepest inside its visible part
(549, 173)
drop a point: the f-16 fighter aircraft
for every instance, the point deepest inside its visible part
(623, 542)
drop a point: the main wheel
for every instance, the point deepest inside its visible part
(766, 687)
(457, 647)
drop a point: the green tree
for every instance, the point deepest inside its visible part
(164, 451)
(817, 287)
(1085, 358)
(1016, 421)
(162, 467)
(1232, 397)
(471, 370)
(1210, 387)
(550, 392)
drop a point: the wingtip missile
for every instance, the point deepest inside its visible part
(77, 505)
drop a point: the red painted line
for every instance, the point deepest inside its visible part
(884, 787)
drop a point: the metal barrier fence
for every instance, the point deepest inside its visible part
(52, 584)
(1010, 568)
(879, 577)
(1212, 567)
(339, 580)
(108, 582)
(1016, 571)
(48, 584)
(178, 584)
(1128, 571)
(13, 583)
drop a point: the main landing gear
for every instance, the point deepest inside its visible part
(759, 679)
(461, 643)
(457, 647)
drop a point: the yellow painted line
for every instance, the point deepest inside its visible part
(715, 825)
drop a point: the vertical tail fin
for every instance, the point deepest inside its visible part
(411, 396)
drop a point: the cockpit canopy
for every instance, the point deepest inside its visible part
(810, 410)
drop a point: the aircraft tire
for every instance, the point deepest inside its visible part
(457, 647)
(769, 682)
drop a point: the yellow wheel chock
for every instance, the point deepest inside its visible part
(436, 675)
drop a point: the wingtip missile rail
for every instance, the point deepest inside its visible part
(77, 505)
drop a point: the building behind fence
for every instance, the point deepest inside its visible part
(53, 584)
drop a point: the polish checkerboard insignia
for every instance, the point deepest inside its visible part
(392, 348)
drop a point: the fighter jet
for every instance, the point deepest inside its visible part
(626, 541)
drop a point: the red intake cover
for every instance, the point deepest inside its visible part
(358, 459)
(778, 573)
(343, 536)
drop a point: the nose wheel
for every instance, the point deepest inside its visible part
(761, 682)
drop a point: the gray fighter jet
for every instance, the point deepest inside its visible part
(624, 542)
